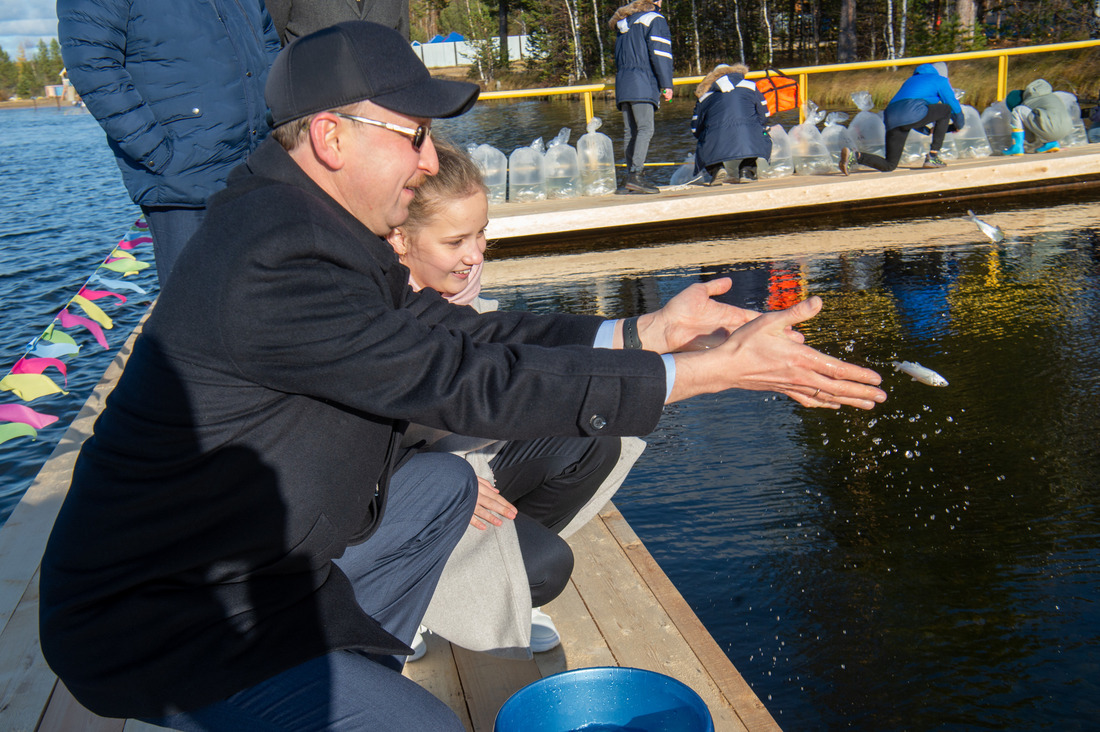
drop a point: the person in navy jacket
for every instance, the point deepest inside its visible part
(643, 57)
(730, 123)
(179, 89)
(925, 99)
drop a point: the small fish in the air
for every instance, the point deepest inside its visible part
(920, 373)
(993, 232)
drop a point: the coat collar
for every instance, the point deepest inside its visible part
(271, 163)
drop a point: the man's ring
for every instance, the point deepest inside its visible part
(817, 392)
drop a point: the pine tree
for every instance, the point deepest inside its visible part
(8, 75)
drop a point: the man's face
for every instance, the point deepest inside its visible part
(382, 169)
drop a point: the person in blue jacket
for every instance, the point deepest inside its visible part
(730, 123)
(643, 57)
(179, 89)
(925, 99)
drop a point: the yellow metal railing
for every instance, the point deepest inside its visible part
(803, 73)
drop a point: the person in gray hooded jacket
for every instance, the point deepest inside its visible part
(1039, 118)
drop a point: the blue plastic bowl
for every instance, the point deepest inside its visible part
(605, 699)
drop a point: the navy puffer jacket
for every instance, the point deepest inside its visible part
(177, 86)
(730, 123)
(643, 53)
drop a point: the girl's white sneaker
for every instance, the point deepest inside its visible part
(544, 635)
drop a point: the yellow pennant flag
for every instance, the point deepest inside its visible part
(94, 311)
(29, 387)
(125, 266)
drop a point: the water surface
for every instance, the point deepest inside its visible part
(63, 210)
(932, 564)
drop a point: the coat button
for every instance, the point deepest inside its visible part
(597, 422)
(195, 111)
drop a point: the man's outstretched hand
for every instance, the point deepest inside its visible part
(693, 320)
(765, 354)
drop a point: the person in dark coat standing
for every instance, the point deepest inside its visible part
(643, 77)
(179, 89)
(731, 124)
(924, 100)
(297, 18)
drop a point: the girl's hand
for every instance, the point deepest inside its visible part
(490, 506)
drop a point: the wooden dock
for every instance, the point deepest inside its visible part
(789, 198)
(618, 610)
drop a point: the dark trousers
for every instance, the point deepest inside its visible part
(394, 573)
(744, 169)
(549, 480)
(938, 115)
(171, 227)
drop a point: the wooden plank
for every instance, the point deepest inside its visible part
(65, 714)
(746, 704)
(437, 672)
(582, 644)
(488, 681)
(26, 682)
(638, 630)
(133, 725)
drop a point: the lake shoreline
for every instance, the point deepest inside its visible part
(41, 103)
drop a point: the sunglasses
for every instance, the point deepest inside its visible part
(418, 135)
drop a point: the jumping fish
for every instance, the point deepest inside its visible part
(919, 373)
(993, 232)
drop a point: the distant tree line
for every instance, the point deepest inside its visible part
(573, 43)
(27, 77)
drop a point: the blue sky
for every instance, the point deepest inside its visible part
(26, 21)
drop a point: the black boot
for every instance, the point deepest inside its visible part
(637, 183)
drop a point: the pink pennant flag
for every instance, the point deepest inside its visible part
(38, 365)
(97, 294)
(131, 243)
(68, 320)
(26, 415)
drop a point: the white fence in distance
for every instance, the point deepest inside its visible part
(462, 53)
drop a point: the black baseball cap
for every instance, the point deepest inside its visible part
(355, 61)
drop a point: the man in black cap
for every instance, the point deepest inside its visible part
(243, 547)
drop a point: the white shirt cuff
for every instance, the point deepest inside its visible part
(605, 338)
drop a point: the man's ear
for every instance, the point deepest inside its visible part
(396, 238)
(324, 138)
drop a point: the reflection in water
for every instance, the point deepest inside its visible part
(932, 564)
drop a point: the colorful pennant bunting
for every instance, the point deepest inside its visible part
(27, 379)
